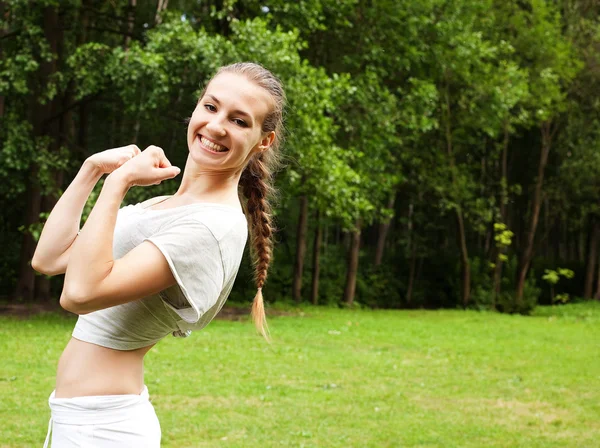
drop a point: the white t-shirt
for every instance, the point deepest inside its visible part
(203, 244)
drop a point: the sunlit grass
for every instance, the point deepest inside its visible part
(340, 378)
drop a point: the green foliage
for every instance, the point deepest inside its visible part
(531, 293)
(503, 236)
(561, 298)
(553, 277)
(379, 287)
(483, 294)
(15, 154)
(439, 105)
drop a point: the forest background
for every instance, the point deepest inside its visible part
(439, 153)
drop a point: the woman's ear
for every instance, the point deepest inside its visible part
(266, 141)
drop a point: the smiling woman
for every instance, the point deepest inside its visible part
(230, 115)
(134, 275)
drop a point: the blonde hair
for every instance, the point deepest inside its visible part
(256, 183)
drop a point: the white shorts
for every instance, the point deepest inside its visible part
(103, 421)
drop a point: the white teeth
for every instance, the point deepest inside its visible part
(212, 145)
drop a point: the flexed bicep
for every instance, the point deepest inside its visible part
(140, 273)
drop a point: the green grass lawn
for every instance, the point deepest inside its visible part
(340, 378)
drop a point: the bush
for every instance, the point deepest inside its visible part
(379, 286)
(482, 294)
(507, 301)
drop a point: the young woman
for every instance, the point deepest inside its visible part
(167, 265)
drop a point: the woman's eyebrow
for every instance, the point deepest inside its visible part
(237, 112)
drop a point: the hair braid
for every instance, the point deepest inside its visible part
(256, 182)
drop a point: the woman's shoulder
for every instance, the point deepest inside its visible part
(221, 220)
(217, 229)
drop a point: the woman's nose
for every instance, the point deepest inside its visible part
(215, 126)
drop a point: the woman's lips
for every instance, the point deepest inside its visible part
(208, 149)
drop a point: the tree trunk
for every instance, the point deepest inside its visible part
(384, 228)
(42, 282)
(487, 242)
(462, 237)
(503, 201)
(62, 126)
(597, 294)
(314, 293)
(592, 259)
(410, 246)
(527, 255)
(581, 242)
(300, 249)
(175, 130)
(352, 270)
(481, 240)
(116, 126)
(136, 130)
(464, 258)
(3, 32)
(162, 5)
(563, 252)
(26, 281)
(42, 288)
(138, 117)
(572, 243)
(129, 23)
(411, 275)
(40, 114)
(82, 130)
(547, 247)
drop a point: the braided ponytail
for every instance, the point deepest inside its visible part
(256, 183)
(256, 186)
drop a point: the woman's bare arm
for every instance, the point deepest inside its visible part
(51, 255)
(60, 231)
(94, 279)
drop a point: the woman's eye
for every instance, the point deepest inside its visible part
(239, 122)
(210, 107)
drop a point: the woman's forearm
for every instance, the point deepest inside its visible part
(91, 258)
(60, 230)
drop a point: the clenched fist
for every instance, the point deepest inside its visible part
(111, 159)
(151, 167)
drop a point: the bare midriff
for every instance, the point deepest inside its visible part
(86, 369)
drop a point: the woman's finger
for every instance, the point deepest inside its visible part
(168, 172)
(164, 162)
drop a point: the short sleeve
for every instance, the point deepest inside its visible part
(195, 259)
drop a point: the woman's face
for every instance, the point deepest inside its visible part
(226, 127)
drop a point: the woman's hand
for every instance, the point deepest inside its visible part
(151, 167)
(111, 159)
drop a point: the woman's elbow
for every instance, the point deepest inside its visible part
(45, 268)
(38, 266)
(73, 302)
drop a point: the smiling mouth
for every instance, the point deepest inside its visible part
(211, 146)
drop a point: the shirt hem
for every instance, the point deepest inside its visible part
(111, 344)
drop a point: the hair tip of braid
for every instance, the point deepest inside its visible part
(259, 316)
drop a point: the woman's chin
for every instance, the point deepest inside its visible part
(206, 160)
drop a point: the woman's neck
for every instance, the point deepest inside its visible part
(200, 185)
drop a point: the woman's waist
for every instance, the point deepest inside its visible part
(86, 369)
